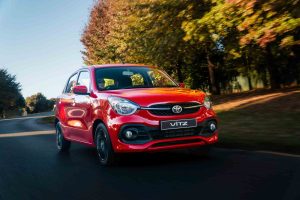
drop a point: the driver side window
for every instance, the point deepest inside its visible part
(71, 83)
(84, 79)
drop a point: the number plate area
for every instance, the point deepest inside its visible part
(178, 124)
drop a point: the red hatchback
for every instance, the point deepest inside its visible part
(132, 108)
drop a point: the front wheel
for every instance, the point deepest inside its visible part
(105, 151)
(61, 143)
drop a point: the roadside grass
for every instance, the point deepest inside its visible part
(271, 123)
(260, 131)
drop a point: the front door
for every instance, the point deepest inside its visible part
(66, 105)
(82, 110)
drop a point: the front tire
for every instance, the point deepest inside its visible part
(105, 151)
(62, 144)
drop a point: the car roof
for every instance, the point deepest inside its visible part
(121, 65)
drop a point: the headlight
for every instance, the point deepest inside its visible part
(207, 103)
(122, 106)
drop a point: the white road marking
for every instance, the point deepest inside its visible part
(280, 153)
(261, 151)
(30, 133)
(26, 118)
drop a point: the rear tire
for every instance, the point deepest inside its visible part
(62, 144)
(104, 147)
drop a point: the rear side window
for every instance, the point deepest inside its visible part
(84, 79)
(71, 84)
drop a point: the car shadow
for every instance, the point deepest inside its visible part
(87, 154)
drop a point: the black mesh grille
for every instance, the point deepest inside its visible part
(185, 109)
(174, 133)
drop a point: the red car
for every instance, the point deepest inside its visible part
(124, 108)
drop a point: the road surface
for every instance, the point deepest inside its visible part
(31, 168)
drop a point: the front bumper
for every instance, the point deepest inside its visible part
(153, 139)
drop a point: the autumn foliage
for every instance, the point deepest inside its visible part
(205, 43)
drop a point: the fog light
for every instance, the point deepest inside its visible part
(212, 126)
(128, 134)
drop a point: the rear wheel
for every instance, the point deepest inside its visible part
(105, 151)
(61, 143)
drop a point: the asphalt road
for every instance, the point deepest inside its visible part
(31, 168)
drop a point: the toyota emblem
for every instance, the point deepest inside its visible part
(177, 109)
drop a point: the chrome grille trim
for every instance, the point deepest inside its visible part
(197, 106)
(148, 108)
(165, 109)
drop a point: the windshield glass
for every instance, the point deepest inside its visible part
(114, 78)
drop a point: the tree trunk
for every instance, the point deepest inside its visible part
(247, 64)
(179, 73)
(273, 70)
(212, 77)
(249, 82)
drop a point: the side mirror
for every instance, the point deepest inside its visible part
(182, 85)
(80, 90)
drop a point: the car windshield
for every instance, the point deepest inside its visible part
(114, 78)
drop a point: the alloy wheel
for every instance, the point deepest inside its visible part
(102, 145)
(59, 138)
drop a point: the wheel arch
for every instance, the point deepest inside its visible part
(95, 124)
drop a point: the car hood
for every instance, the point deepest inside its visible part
(150, 96)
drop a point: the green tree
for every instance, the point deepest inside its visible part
(248, 29)
(51, 103)
(144, 31)
(155, 36)
(205, 43)
(37, 103)
(10, 96)
(103, 35)
(275, 27)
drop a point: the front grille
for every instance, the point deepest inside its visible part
(166, 109)
(174, 133)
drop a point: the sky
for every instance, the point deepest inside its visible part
(40, 42)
